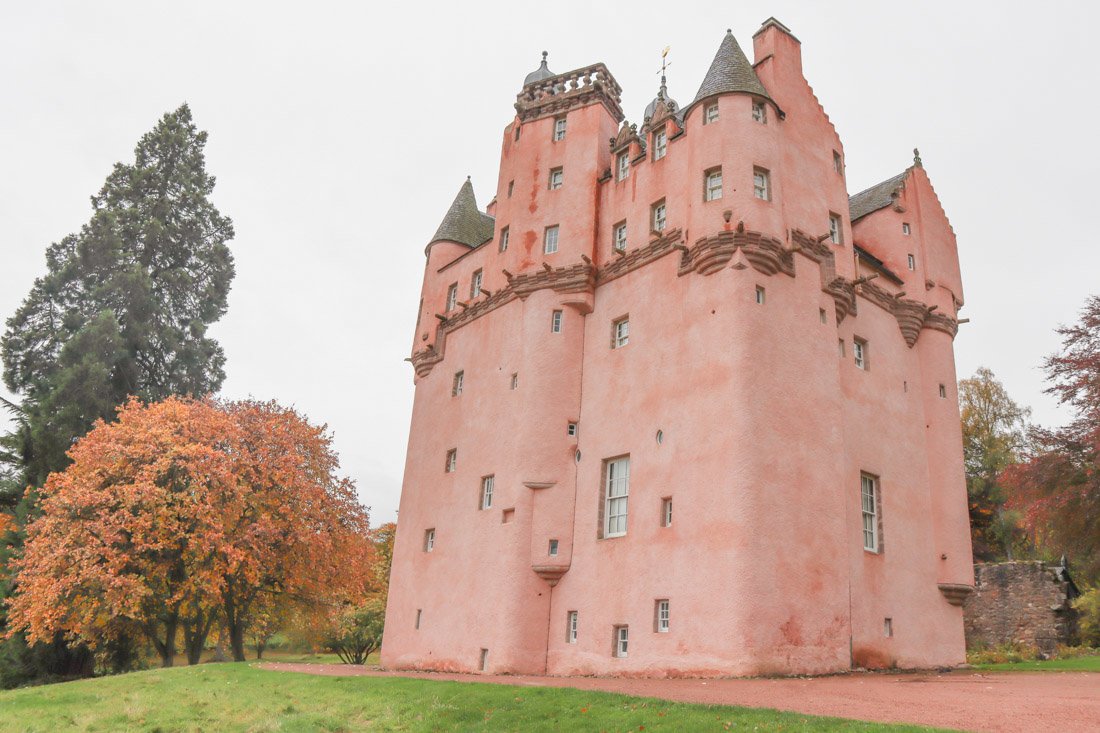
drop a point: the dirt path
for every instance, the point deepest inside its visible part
(1011, 701)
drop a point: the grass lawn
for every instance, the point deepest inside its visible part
(237, 697)
(1076, 664)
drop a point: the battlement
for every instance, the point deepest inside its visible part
(558, 94)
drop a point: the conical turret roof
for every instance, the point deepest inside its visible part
(464, 223)
(730, 71)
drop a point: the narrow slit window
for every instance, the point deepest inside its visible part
(836, 230)
(571, 627)
(419, 615)
(452, 297)
(486, 492)
(622, 640)
(838, 163)
(905, 229)
(912, 261)
(660, 144)
(429, 540)
(475, 284)
(552, 549)
(760, 294)
(511, 185)
(623, 165)
(943, 392)
(821, 315)
(456, 385)
(555, 322)
(658, 216)
(888, 627)
(870, 502)
(483, 662)
(452, 460)
(620, 237)
(515, 380)
(859, 353)
(504, 239)
(666, 511)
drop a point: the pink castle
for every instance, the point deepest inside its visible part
(683, 406)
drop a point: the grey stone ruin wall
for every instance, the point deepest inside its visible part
(1019, 602)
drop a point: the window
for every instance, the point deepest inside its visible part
(620, 237)
(419, 613)
(761, 187)
(624, 165)
(840, 345)
(760, 295)
(475, 284)
(555, 322)
(710, 114)
(571, 628)
(511, 187)
(660, 616)
(552, 550)
(859, 352)
(550, 240)
(712, 184)
(452, 297)
(666, 511)
(821, 314)
(486, 492)
(515, 380)
(869, 486)
(912, 262)
(504, 239)
(760, 113)
(555, 178)
(838, 164)
(622, 638)
(943, 392)
(660, 144)
(620, 333)
(456, 385)
(429, 540)
(452, 460)
(483, 662)
(836, 233)
(559, 128)
(571, 429)
(905, 229)
(658, 216)
(518, 128)
(888, 627)
(616, 491)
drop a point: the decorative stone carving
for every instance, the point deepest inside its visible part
(563, 92)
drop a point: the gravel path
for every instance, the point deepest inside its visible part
(1011, 701)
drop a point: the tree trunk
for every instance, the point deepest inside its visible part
(261, 644)
(166, 647)
(236, 641)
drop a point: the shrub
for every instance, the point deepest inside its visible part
(1088, 622)
(358, 632)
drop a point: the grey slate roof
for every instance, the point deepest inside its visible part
(876, 197)
(730, 71)
(464, 223)
(543, 72)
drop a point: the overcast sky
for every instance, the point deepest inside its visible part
(339, 136)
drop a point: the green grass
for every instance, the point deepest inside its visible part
(238, 697)
(1073, 664)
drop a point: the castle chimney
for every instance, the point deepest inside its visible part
(776, 40)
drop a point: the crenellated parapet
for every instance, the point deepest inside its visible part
(558, 94)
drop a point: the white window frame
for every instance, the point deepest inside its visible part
(504, 239)
(457, 383)
(616, 496)
(761, 184)
(620, 332)
(550, 240)
(429, 540)
(712, 184)
(906, 229)
(515, 380)
(859, 353)
(571, 429)
(571, 623)
(622, 641)
(452, 461)
(618, 237)
(870, 498)
(761, 295)
(660, 144)
(912, 261)
(555, 322)
(475, 283)
(623, 165)
(662, 616)
(666, 511)
(836, 229)
(659, 217)
(452, 297)
(552, 548)
(559, 128)
(710, 114)
(486, 501)
(556, 178)
(759, 112)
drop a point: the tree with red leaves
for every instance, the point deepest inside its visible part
(1058, 489)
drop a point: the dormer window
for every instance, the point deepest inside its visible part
(504, 239)
(712, 184)
(836, 232)
(760, 113)
(475, 285)
(710, 114)
(550, 240)
(624, 165)
(658, 217)
(620, 237)
(452, 297)
(555, 178)
(660, 144)
(559, 128)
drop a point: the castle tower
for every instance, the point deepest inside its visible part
(682, 406)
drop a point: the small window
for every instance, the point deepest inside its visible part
(821, 315)
(760, 112)
(515, 380)
(943, 392)
(555, 322)
(622, 639)
(429, 540)
(504, 239)
(550, 240)
(518, 128)
(571, 628)
(905, 229)
(571, 429)
(559, 128)
(555, 178)
(620, 237)
(912, 262)
(419, 614)
(456, 385)
(838, 163)
(658, 216)
(623, 165)
(511, 187)
(666, 511)
(859, 353)
(760, 295)
(904, 386)
(870, 500)
(710, 114)
(840, 345)
(452, 460)
(836, 231)
(888, 627)
(486, 492)
(660, 616)
(761, 184)
(452, 297)
(475, 284)
(712, 184)
(552, 549)
(483, 662)
(660, 144)
(620, 333)
(616, 493)
(507, 516)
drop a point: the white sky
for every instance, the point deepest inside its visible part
(339, 135)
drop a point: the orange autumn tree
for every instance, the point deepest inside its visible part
(184, 514)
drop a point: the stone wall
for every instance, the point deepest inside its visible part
(1020, 602)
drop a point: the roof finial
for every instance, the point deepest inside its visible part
(662, 93)
(916, 158)
(467, 178)
(544, 55)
